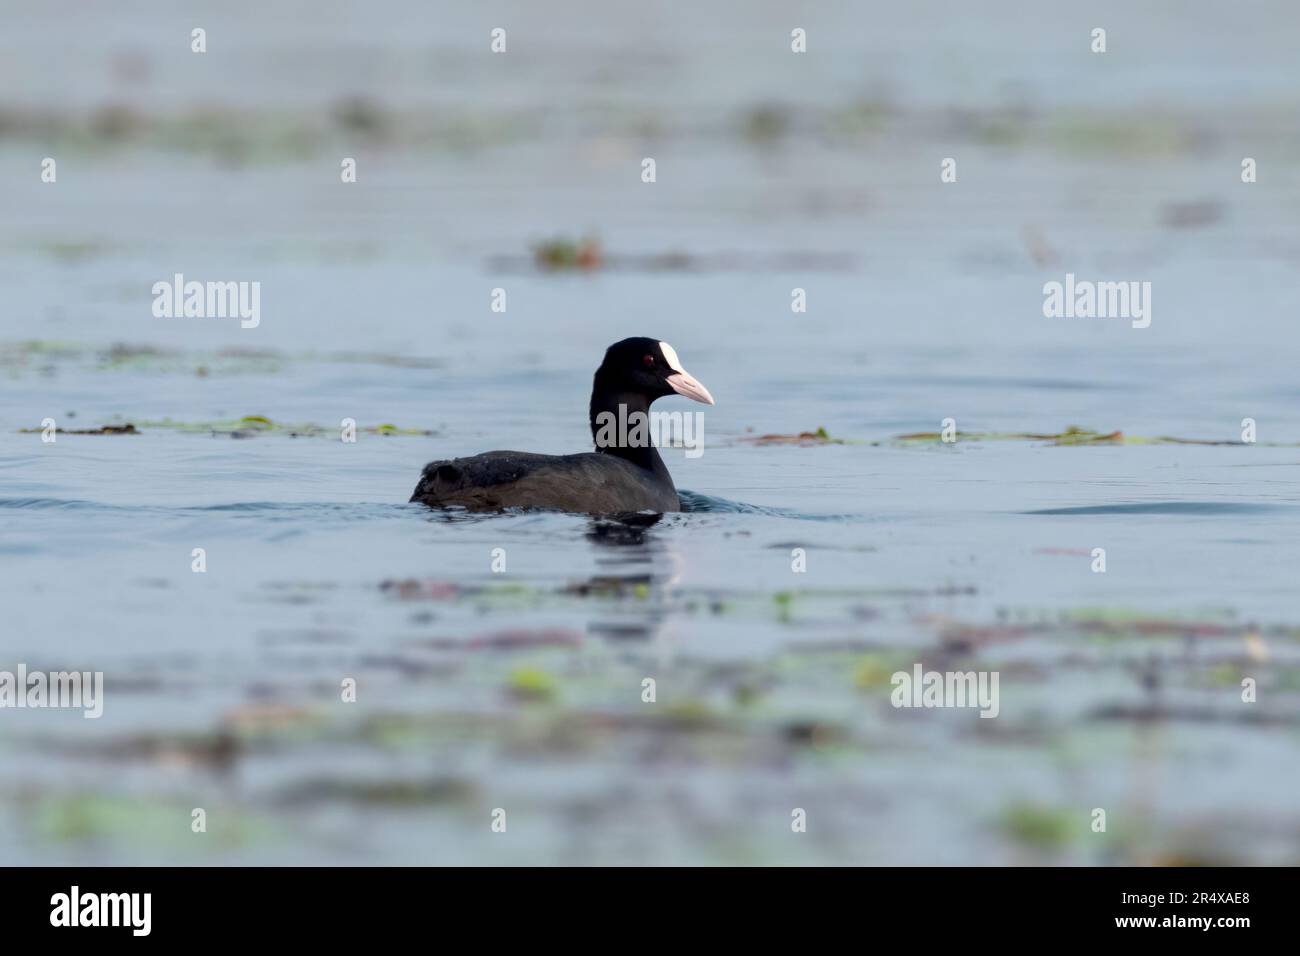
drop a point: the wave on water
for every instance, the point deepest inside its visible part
(695, 503)
(269, 510)
(692, 503)
(1167, 508)
(62, 504)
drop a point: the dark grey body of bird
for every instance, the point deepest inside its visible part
(590, 483)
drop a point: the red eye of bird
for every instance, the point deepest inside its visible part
(649, 361)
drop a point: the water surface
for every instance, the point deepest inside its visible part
(522, 689)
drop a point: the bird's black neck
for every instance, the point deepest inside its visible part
(613, 415)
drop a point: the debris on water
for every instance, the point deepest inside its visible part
(1191, 713)
(1256, 647)
(1192, 214)
(217, 749)
(1073, 435)
(517, 638)
(413, 589)
(588, 255)
(1038, 246)
(127, 429)
(611, 585)
(559, 254)
(257, 719)
(251, 426)
(228, 360)
(430, 791)
(819, 437)
(766, 124)
(810, 733)
(360, 115)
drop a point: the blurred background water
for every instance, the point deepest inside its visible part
(522, 690)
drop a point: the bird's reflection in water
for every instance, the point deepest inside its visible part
(638, 570)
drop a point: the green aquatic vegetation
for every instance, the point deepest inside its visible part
(1073, 435)
(231, 360)
(127, 429)
(1121, 135)
(74, 250)
(690, 713)
(245, 427)
(861, 118)
(784, 601)
(1041, 827)
(1132, 617)
(533, 684)
(560, 254)
(237, 136)
(422, 729)
(1202, 624)
(748, 692)
(251, 425)
(1224, 675)
(609, 586)
(16, 353)
(872, 672)
(434, 791)
(1000, 131)
(818, 437)
(1082, 436)
(138, 820)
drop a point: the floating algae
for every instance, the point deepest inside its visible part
(819, 437)
(532, 684)
(563, 254)
(135, 821)
(231, 360)
(409, 793)
(586, 255)
(127, 429)
(1071, 436)
(1040, 827)
(251, 425)
(245, 427)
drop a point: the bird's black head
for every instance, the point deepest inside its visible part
(641, 366)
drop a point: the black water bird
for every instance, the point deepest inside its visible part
(623, 475)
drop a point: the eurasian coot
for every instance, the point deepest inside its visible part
(624, 474)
